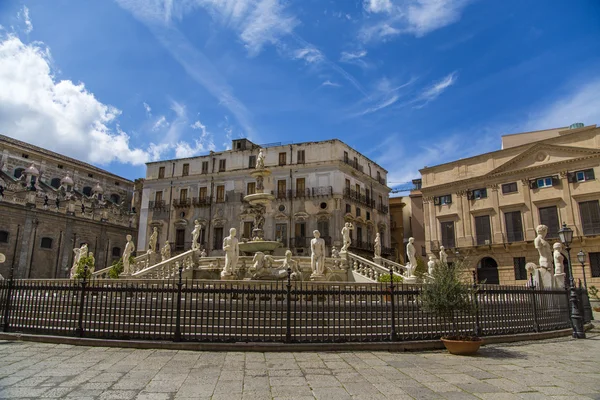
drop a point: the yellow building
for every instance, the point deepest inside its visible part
(488, 206)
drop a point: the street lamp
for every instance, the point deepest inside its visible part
(585, 298)
(581, 258)
(566, 236)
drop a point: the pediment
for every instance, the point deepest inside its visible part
(544, 154)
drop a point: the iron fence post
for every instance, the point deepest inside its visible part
(536, 326)
(79, 331)
(178, 314)
(478, 331)
(288, 318)
(6, 325)
(392, 306)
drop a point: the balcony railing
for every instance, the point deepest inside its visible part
(201, 201)
(181, 203)
(355, 196)
(320, 191)
(484, 239)
(354, 164)
(381, 180)
(383, 208)
(159, 204)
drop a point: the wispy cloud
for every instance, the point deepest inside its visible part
(433, 91)
(24, 15)
(201, 144)
(148, 109)
(329, 83)
(355, 57)
(385, 94)
(309, 54)
(416, 17)
(160, 123)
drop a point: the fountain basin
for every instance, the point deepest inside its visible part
(259, 198)
(265, 246)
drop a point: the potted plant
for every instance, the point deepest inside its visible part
(385, 278)
(446, 294)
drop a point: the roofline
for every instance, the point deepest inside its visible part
(521, 146)
(271, 147)
(41, 150)
(539, 130)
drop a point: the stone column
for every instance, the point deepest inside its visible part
(496, 227)
(463, 223)
(567, 215)
(429, 231)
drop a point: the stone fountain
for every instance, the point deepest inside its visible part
(258, 202)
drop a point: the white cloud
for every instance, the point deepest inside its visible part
(24, 15)
(329, 83)
(58, 115)
(347, 56)
(377, 6)
(160, 123)
(310, 55)
(198, 125)
(433, 91)
(202, 144)
(148, 109)
(426, 16)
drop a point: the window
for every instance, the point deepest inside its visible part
(380, 200)
(348, 209)
(90, 175)
(161, 172)
(514, 226)
(3, 237)
(59, 166)
(222, 165)
(357, 189)
(87, 191)
(547, 181)
(281, 233)
(25, 155)
(549, 217)
(281, 188)
(252, 162)
(590, 217)
(300, 231)
(158, 197)
(323, 228)
(250, 188)
(55, 183)
(282, 158)
(179, 239)
(441, 200)
(18, 172)
(357, 212)
(202, 193)
(477, 194)
(117, 183)
(116, 251)
(585, 175)
(46, 243)
(368, 195)
(595, 264)
(520, 271)
(218, 239)
(379, 176)
(482, 230)
(115, 198)
(186, 170)
(355, 162)
(220, 194)
(300, 157)
(205, 167)
(368, 216)
(247, 233)
(346, 157)
(448, 234)
(300, 186)
(183, 195)
(509, 188)
(347, 185)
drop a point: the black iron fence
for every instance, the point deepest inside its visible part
(283, 311)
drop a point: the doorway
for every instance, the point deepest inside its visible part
(487, 271)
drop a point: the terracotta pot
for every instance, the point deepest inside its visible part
(462, 347)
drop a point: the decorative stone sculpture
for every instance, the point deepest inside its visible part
(377, 246)
(260, 160)
(80, 253)
(346, 236)
(196, 235)
(91, 267)
(232, 251)
(443, 255)
(262, 266)
(545, 252)
(153, 240)
(165, 252)
(203, 253)
(431, 265)
(129, 249)
(411, 253)
(317, 256)
(559, 273)
(334, 252)
(292, 265)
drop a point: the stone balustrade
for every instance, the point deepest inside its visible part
(367, 268)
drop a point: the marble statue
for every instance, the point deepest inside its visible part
(259, 266)
(165, 252)
(153, 240)
(544, 280)
(203, 253)
(377, 246)
(232, 251)
(411, 253)
(80, 253)
(443, 255)
(292, 265)
(346, 236)
(431, 265)
(559, 267)
(92, 265)
(196, 235)
(129, 249)
(317, 255)
(334, 252)
(260, 160)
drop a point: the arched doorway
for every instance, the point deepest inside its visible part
(487, 271)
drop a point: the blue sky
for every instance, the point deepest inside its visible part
(408, 83)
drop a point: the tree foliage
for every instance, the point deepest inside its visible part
(80, 271)
(117, 268)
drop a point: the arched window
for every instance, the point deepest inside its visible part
(46, 243)
(115, 198)
(116, 251)
(3, 237)
(18, 172)
(87, 191)
(55, 183)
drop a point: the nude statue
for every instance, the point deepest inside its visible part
(153, 240)
(559, 267)
(377, 246)
(196, 235)
(411, 252)
(431, 265)
(317, 256)
(129, 249)
(443, 255)
(292, 265)
(545, 263)
(346, 236)
(165, 252)
(232, 251)
(260, 160)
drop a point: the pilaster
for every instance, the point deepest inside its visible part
(527, 214)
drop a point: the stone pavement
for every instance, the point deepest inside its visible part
(558, 368)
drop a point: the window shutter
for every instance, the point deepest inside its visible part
(555, 181)
(436, 201)
(533, 184)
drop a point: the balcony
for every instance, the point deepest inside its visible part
(182, 203)
(201, 201)
(383, 208)
(320, 191)
(381, 180)
(353, 195)
(157, 205)
(354, 164)
(369, 246)
(483, 239)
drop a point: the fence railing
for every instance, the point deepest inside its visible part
(252, 311)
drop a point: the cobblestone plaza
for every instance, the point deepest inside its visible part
(561, 368)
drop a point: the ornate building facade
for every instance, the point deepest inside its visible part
(316, 185)
(485, 208)
(50, 203)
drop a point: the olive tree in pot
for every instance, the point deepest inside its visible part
(448, 295)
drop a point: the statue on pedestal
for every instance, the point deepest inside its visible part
(346, 236)
(80, 253)
(431, 265)
(260, 160)
(292, 265)
(129, 249)
(559, 268)
(317, 256)
(196, 235)
(411, 252)
(232, 251)
(377, 246)
(152, 241)
(443, 255)
(545, 252)
(165, 252)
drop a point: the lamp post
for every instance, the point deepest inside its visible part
(566, 236)
(581, 258)
(585, 298)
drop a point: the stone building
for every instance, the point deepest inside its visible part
(398, 228)
(317, 185)
(50, 203)
(488, 206)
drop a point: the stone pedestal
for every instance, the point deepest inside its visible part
(377, 260)
(559, 281)
(225, 276)
(409, 280)
(317, 277)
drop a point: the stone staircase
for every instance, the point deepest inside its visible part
(370, 271)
